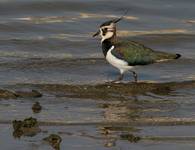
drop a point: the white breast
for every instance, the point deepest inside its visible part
(116, 62)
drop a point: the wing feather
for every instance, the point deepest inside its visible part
(137, 54)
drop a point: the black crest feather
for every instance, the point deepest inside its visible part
(114, 20)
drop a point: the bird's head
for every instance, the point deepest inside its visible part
(107, 30)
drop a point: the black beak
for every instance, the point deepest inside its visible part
(97, 33)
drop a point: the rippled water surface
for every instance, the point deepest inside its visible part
(48, 46)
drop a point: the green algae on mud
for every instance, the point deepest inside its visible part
(9, 94)
(6, 94)
(54, 140)
(114, 128)
(27, 127)
(107, 91)
(120, 125)
(169, 138)
(28, 94)
(130, 137)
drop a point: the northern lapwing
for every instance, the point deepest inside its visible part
(124, 55)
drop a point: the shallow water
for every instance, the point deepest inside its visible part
(48, 46)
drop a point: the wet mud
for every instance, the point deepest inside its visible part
(121, 91)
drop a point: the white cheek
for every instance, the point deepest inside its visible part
(107, 36)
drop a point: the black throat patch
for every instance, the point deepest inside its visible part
(106, 45)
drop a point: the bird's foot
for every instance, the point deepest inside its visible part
(118, 80)
(135, 80)
(135, 77)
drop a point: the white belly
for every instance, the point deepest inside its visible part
(118, 63)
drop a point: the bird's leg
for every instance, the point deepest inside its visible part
(119, 78)
(134, 75)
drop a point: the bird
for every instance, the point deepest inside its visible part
(125, 55)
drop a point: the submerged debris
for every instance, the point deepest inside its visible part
(54, 140)
(27, 127)
(36, 108)
(130, 137)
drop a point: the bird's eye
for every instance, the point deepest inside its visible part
(104, 30)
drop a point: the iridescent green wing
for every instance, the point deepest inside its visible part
(137, 54)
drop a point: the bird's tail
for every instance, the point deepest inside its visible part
(162, 56)
(178, 56)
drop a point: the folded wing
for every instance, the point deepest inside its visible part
(137, 54)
